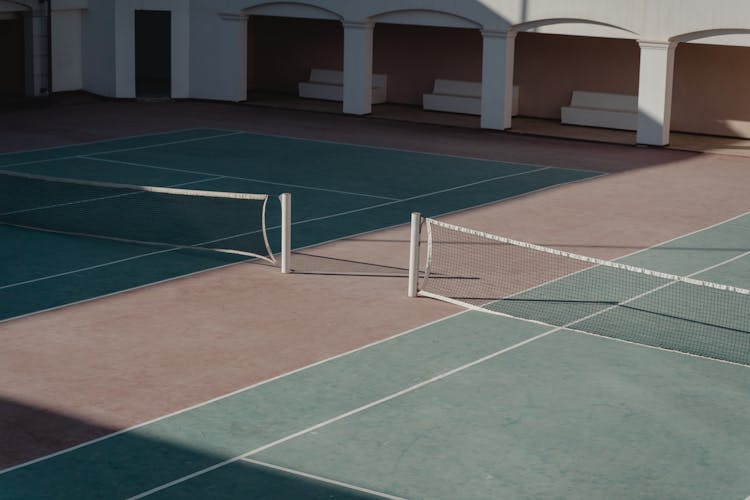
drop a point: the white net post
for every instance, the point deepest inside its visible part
(286, 231)
(416, 224)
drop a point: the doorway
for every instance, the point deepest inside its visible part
(153, 53)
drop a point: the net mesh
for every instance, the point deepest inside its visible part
(169, 217)
(610, 299)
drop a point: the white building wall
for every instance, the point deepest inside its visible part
(218, 54)
(99, 48)
(67, 50)
(124, 44)
(638, 19)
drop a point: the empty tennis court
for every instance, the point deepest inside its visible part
(330, 203)
(340, 386)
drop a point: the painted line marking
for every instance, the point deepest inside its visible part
(292, 372)
(321, 479)
(101, 198)
(121, 150)
(424, 153)
(305, 221)
(233, 393)
(348, 414)
(249, 179)
(115, 139)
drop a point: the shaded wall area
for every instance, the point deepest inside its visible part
(712, 90)
(12, 58)
(414, 56)
(548, 68)
(281, 51)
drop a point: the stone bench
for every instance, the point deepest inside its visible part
(598, 109)
(328, 84)
(457, 96)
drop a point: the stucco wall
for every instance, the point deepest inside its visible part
(99, 63)
(281, 51)
(712, 90)
(67, 52)
(414, 56)
(549, 67)
(12, 56)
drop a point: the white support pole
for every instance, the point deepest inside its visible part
(655, 92)
(358, 68)
(416, 225)
(498, 53)
(286, 231)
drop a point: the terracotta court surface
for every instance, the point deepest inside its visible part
(131, 372)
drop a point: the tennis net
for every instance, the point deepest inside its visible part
(560, 289)
(162, 216)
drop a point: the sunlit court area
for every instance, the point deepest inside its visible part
(328, 249)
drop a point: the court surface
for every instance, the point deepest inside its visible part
(329, 383)
(472, 406)
(338, 190)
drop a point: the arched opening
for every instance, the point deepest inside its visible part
(414, 56)
(153, 53)
(285, 42)
(556, 57)
(13, 57)
(710, 84)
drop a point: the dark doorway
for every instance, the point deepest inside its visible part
(12, 59)
(153, 53)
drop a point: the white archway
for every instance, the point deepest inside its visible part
(292, 9)
(425, 17)
(576, 26)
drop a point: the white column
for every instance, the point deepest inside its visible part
(497, 78)
(231, 61)
(180, 51)
(358, 68)
(655, 92)
(40, 52)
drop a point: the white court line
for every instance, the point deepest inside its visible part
(350, 413)
(424, 153)
(109, 197)
(305, 221)
(250, 179)
(121, 150)
(427, 382)
(312, 365)
(233, 393)
(425, 195)
(321, 479)
(114, 139)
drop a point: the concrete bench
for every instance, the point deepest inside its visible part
(598, 109)
(328, 84)
(457, 96)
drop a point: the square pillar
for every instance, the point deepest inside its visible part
(498, 52)
(225, 73)
(655, 92)
(358, 68)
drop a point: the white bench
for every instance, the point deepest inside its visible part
(328, 84)
(598, 109)
(457, 96)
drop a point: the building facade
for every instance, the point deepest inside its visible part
(686, 61)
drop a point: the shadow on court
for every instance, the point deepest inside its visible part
(128, 464)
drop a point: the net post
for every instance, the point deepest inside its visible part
(416, 224)
(286, 231)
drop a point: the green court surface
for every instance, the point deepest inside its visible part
(472, 406)
(338, 190)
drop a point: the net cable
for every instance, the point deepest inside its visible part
(217, 221)
(511, 278)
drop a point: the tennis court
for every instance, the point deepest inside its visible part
(468, 405)
(338, 191)
(504, 408)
